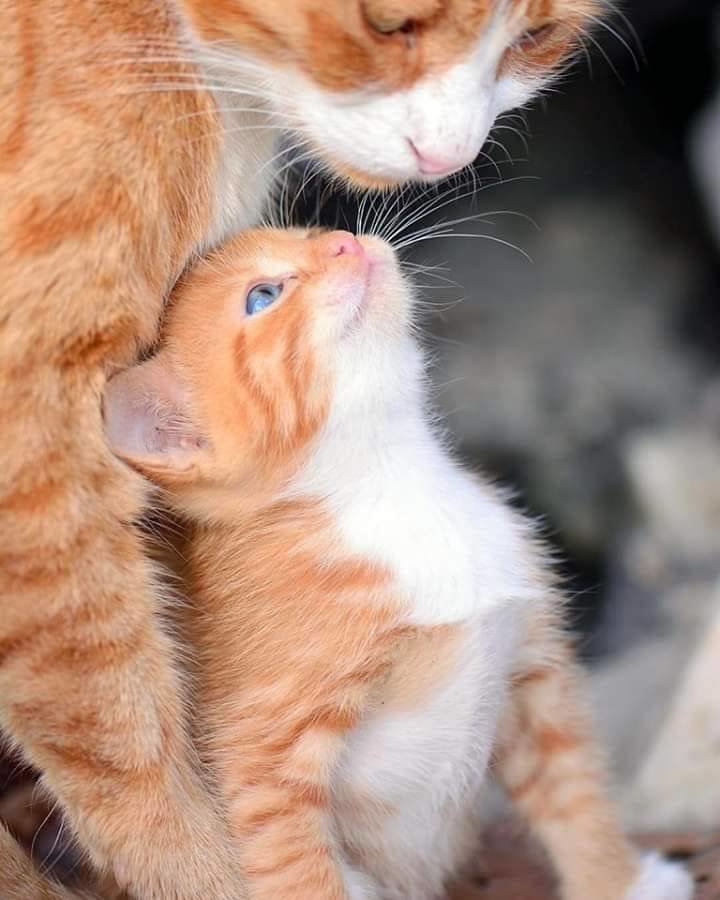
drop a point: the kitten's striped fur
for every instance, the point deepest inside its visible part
(374, 627)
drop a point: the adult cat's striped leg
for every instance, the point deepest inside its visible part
(550, 764)
(20, 881)
(88, 687)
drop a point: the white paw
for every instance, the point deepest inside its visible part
(660, 879)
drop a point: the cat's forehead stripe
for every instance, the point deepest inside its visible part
(330, 41)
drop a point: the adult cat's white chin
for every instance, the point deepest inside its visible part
(432, 129)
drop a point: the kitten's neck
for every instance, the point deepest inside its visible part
(354, 456)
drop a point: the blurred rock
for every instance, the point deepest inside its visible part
(657, 701)
(705, 152)
(548, 368)
(679, 783)
(676, 478)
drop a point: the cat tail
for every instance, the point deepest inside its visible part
(551, 767)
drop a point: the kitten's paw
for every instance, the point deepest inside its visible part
(660, 879)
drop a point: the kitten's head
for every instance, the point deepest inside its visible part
(386, 91)
(277, 338)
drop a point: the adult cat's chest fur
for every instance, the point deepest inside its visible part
(244, 172)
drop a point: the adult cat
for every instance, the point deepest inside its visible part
(118, 161)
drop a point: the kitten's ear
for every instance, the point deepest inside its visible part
(147, 419)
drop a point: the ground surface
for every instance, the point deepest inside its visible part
(509, 866)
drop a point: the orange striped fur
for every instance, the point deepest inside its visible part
(130, 139)
(352, 719)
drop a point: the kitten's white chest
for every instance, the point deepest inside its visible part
(453, 548)
(408, 789)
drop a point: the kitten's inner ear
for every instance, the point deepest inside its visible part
(147, 419)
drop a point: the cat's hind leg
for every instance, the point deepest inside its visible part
(660, 880)
(549, 763)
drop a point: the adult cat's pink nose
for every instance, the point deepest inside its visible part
(430, 163)
(340, 243)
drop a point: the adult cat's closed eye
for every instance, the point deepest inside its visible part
(131, 134)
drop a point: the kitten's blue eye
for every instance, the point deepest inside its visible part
(262, 296)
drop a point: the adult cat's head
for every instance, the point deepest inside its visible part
(276, 344)
(387, 91)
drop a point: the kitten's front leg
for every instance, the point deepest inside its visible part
(277, 762)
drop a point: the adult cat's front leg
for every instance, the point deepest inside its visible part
(19, 881)
(99, 211)
(88, 687)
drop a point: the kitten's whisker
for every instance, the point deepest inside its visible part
(431, 201)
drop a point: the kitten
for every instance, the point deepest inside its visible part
(132, 135)
(375, 628)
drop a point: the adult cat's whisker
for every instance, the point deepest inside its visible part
(48, 862)
(451, 223)
(38, 831)
(518, 134)
(305, 156)
(390, 202)
(448, 198)
(617, 12)
(599, 47)
(308, 175)
(456, 234)
(430, 201)
(253, 110)
(241, 129)
(621, 40)
(220, 82)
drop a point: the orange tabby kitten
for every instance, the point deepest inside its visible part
(132, 134)
(372, 624)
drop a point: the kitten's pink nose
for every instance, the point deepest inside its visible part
(340, 243)
(430, 163)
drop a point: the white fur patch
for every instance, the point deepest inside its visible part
(446, 115)
(661, 880)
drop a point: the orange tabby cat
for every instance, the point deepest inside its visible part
(371, 622)
(132, 134)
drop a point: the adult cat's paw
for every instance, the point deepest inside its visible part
(660, 879)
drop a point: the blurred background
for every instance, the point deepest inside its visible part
(588, 376)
